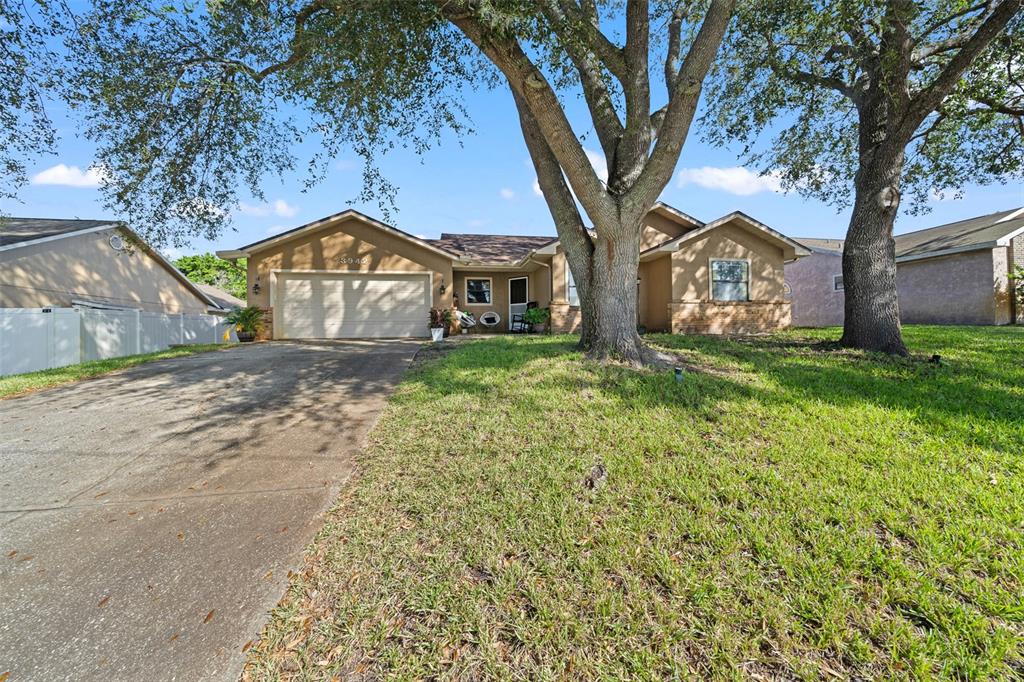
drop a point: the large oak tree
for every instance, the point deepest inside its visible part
(880, 99)
(188, 103)
(26, 30)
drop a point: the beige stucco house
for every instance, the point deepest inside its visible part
(349, 275)
(956, 273)
(90, 263)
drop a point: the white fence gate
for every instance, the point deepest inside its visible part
(42, 338)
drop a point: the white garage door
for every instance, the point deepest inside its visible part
(342, 306)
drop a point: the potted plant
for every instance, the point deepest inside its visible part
(247, 322)
(537, 318)
(440, 318)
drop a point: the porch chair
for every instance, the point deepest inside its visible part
(518, 323)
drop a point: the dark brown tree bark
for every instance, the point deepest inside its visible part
(616, 262)
(641, 147)
(872, 312)
(889, 117)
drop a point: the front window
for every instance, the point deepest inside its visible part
(478, 291)
(730, 280)
(837, 283)
(571, 294)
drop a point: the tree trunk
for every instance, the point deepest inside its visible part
(588, 317)
(613, 298)
(872, 312)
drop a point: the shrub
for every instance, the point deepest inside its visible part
(536, 315)
(249, 319)
(440, 317)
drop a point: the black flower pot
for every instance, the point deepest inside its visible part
(246, 337)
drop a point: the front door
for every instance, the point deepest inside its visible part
(517, 296)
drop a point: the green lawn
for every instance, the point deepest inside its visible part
(787, 511)
(16, 384)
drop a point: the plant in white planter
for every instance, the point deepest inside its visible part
(440, 318)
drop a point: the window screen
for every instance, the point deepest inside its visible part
(730, 280)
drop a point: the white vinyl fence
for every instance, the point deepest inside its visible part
(42, 338)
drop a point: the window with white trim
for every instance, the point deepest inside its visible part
(837, 283)
(478, 291)
(730, 280)
(571, 294)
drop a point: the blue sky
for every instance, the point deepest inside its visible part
(485, 185)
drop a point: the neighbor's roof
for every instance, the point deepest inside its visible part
(16, 233)
(491, 248)
(973, 234)
(17, 230)
(221, 297)
(833, 246)
(983, 232)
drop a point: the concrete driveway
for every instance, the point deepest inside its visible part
(148, 519)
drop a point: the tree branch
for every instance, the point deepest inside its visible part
(946, 20)
(606, 120)
(928, 100)
(586, 15)
(529, 82)
(681, 108)
(560, 201)
(631, 154)
(675, 28)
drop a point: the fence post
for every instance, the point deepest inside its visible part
(138, 331)
(51, 336)
(181, 329)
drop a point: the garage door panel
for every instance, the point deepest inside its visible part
(353, 306)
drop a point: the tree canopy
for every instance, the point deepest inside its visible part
(25, 78)
(206, 268)
(190, 104)
(805, 71)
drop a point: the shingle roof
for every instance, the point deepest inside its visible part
(491, 248)
(962, 235)
(221, 297)
(833, 246)
(15, 230)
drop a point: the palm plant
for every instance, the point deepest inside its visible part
(248, 321)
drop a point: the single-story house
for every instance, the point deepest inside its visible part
(48, 263)
(348, 275)
(956, 273)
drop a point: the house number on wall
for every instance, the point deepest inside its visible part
(353, 260)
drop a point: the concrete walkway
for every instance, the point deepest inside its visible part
(148, 519)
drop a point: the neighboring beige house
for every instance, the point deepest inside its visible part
(93, 264)
(956, 273)
(349, 275)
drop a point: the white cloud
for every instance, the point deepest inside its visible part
(69, 176)
(275, 229)
(598, 162)
(476, 223)
(596, 159)
(506, 193)
(734, 180)
(284, 209)
(279, 207)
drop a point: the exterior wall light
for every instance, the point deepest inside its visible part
(256, 288)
